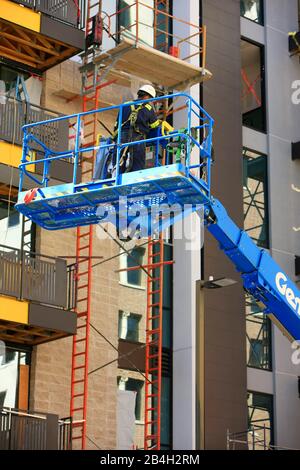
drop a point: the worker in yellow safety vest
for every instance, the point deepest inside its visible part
(137, 122)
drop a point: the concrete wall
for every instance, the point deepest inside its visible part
(281, 17)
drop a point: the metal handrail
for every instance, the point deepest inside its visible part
(57, 10)
(193, 109)
(135, 28)
(22, 269)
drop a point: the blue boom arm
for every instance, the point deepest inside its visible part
(262, 277)
(183, 185)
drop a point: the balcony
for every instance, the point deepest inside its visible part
(66, 11)
(21, 430)
(38, 34)
(37, 294)
(13, 115)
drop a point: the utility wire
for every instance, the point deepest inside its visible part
(117, 255)
(120, 245)
(116, 349)
(94, 443)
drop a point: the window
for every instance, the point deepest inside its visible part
(129, 324)
(14, 368)
(260, 420)
(10, 225)
(133, 278)
(133, 385)
(259, 334)
(253, 10)
(253, 86)
(8, 77)
(255, 196)
(127, 20)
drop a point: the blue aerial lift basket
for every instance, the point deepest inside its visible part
(120, 198)
(153, 199)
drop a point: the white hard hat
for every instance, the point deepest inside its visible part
(149, 89)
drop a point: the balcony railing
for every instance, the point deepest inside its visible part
(14, 114)
(22, 430)
(37, 278)
(71, 12)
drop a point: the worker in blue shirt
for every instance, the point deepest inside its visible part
(137, 122)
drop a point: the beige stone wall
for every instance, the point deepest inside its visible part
(51, 365)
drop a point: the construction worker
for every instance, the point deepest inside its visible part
(137, 121)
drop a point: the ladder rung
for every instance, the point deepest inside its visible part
(152, 395)
(81, 326)
(82, 287)
(151, 438)
(78, 395)
(77, 409)
(152, 382)
(77, 381)
(87, 123)
(77, 425)
(83, 272)
(152, 332)
(79, 367)
(155, 292)
(84, 235)
(79, 354)
(89, 134)
(83, 247)
(82, 314)
(150, 409)
(154, 318)
(76, 437)
(153, 369)
(150, 422)
(82, 300)
(153, 305)
(153, 356)
(80, 340)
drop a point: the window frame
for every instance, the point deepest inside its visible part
(268, 324)
(266, 197)
(262, 15)
(271, 411)
(133, 315)
(123, 279)
(263, 86)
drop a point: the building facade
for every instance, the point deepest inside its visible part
(226, 369)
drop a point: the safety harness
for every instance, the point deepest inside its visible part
(126, 157)
(132, 119)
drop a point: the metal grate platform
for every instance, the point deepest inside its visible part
(160, 190)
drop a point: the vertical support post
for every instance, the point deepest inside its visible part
(155, 24)
(119, 143)
(188, 143)
(76, 149)
(23, 159)
(52, 432)
(204, 42)
(137, 21)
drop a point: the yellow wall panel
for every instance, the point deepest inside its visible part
(11, 155)
(13, 310)
(20, 15)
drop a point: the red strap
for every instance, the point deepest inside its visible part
(30, 195)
